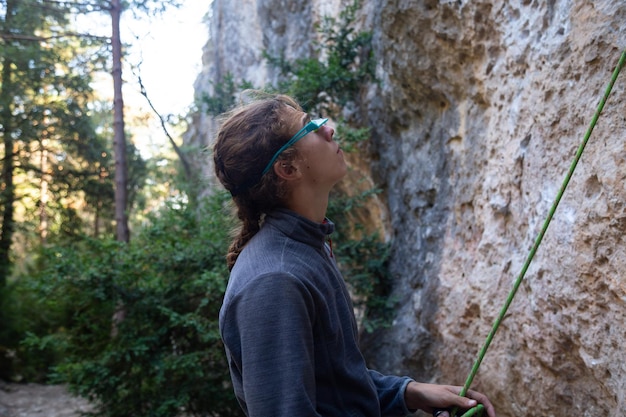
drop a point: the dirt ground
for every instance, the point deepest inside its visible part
(34, 400)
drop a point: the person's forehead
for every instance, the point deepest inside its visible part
(297, 117)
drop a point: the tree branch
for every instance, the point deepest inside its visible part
(179, 153)
(10, 37)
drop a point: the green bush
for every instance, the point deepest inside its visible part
(224, 95)
(344, 64)
(137, 325)
(363, 258)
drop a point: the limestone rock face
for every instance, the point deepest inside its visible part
(478, 113)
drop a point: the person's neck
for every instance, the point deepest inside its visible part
(309, 205)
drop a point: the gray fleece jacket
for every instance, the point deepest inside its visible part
(289, 329)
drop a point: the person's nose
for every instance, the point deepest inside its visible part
(329, 132)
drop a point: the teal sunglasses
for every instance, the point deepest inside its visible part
(312, 126)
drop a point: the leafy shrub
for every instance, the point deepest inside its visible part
(363, 258)
(139, 333)
(343, 65)
(224, 92)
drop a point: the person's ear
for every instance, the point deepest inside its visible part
(286, 170)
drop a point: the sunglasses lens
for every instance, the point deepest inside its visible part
(318, 123)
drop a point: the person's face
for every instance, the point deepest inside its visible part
(320, 160)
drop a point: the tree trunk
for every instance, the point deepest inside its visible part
(7, 190)
(119, 138)
(43, 189)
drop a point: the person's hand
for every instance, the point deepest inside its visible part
(431, 397)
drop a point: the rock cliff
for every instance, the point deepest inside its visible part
(477, 115)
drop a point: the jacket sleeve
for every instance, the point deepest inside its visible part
(268, 331)
(391, 393)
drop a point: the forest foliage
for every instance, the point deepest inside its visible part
(132, 326)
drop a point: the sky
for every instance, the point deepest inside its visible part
(169, 49)
(168, 52)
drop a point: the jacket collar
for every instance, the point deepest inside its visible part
(300, 228)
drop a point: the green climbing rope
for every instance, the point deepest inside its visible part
(538, 240)
(478, 411)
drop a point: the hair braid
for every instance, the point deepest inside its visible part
(250, 225)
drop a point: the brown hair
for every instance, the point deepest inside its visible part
(245, 144)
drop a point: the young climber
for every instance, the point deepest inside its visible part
(287, 320)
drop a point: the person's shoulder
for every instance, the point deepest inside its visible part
(268, 288)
